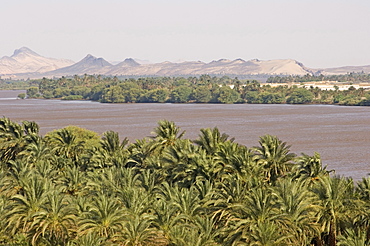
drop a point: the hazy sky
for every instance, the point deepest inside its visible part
(318, 33)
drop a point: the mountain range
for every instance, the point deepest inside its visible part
(25, 63)
(25, 60)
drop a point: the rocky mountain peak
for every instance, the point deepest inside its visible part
(239, 61)
(24, 51)
(24, 60)
(89, 57)
(129, 62)
(92, 60)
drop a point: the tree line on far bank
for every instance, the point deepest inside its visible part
(72, 187)
(203, 89)
(349, 77)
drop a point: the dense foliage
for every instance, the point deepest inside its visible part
(205, 89)
(349, 77)
(9, 84)
(71, 187)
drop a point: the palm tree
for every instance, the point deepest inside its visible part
(56, 220)
(112, 180)
(105, 217)
(30, 128)
(202, 232)
(299, 208)
(363, 192)
(353, 237)
(47, 170)
(268, 234)
(183, 235)
(274, 156)
(67, 145)
(150, 181)
(210, 140)
(250, 217)
(233, 190)
(12, 139)
(17, 174)
(26, 205)
(166, 133)
(238, 160)
(141, 152)
(36, 150)
(72, 181)
(363, 189)
(187, 201)
(135, 201)
(185, 162)
(82, 205)
(310, 169)
(110, 142)
(4, 203)
(208, 231)
(166, 217)
(336, 199)
(89, 239)
(112, 151)
(138, 231)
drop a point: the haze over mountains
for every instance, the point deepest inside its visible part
(25, 60)
(25, 63)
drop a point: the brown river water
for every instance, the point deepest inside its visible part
(341, 134)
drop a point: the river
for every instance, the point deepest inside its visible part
(341, 134)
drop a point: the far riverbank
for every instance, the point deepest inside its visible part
(340, 134)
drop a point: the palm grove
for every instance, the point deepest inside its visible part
(72, 187)
(203, 89)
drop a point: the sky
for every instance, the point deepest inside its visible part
(317, 33)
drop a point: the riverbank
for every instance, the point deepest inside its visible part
(340, 134)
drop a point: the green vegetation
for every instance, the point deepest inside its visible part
(33, 92)
(73, 187)
(11, 84)
(350, 77)
(22, 95)
(300, 96)
(203, 89)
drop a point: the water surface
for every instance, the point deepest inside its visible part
(341, 134)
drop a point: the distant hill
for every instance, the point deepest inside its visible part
(25, 63)
(88, 65)
(221, 67)
(346, 69)
(25, 60)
